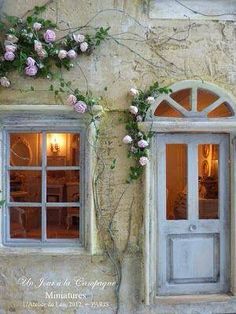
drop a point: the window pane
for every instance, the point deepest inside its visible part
(183, 97)
(165, 110)
(221, 111)
(63, 186)
(176, 181)
(208, 158)
(63, 149)
(25, 186)
(205, 98)
(25, 149)
(25, 222)
(62, 222)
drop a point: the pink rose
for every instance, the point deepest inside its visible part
(4, 82)
(79, 38)
(127, 139)
(9, 56)
(31, 70)
(71, 54)
(10, 48)
(133, 110)
(139, 119)
(49, 36)
(80, 106)
(72, 100)
(143, 161)
(38, 45)
(150, 100)
(37, 26)
(84, 46)
(42, 53)
(133, 92)
(30, 61)
(62, 54)
(12, 38)
(142, 143)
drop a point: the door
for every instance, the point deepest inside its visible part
(192, 213)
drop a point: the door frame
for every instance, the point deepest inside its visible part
(191, 140)
(149, 249)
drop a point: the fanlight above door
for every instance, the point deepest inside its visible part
(192, 99)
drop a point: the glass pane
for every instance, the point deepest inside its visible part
(63, 149)
(176, 181)
(208, 159)
(165, 110)
(205, 98)
(25, 222)
(183, 97)
(62, 222)
(25, 186)
(63, 186)
(25, 149)
(222, 111)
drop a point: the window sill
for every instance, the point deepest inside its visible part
(43, 251)
(188, 299)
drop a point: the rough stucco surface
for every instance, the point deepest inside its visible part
(207, 54)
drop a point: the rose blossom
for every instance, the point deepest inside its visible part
(133, 110)
(150, 100)
(11, 48)
(38, 45)
(72, 100)
(143, 161)
(42, 53)
(79, 38)
(83, 46)
(9, 56)
(133, 149)
(139, 119)
(12, 38)
(31, 70)
(142, 143)
(4, 82)
(80, 106)
(133, 92)
(37, 26)
(71, 54)
(30, 61)
(62, 54)
(49, 36)
(127, 139)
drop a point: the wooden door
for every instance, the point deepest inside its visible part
(192, 213)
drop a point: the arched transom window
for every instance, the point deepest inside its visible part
(193, 99)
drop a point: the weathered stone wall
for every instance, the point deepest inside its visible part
(173, 50)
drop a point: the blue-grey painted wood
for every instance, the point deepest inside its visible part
(192, 254)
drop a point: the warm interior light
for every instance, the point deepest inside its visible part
(55, 148)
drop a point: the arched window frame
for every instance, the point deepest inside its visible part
(193, 113)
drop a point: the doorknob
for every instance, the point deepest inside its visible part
(192, 228)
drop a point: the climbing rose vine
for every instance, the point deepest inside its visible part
(32, 47)
(137, 141)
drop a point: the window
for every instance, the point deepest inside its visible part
(43, 187)
(194, 9)
(192, 99)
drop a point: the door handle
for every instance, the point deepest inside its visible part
(192, 228)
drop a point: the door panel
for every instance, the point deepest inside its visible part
(192, 213)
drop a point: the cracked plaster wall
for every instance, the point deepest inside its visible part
(208, 54)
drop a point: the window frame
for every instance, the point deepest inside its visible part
(54, 125)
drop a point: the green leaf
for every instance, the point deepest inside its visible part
(113, 164)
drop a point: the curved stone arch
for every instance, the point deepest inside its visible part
(194, 86)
